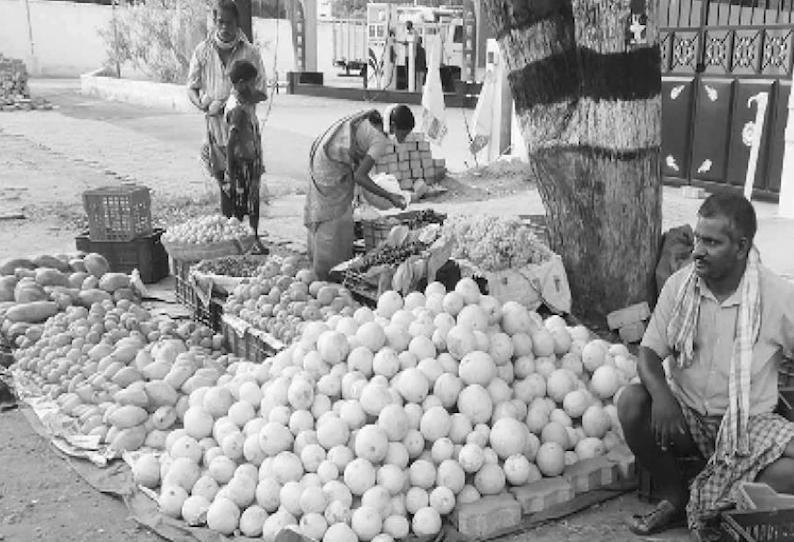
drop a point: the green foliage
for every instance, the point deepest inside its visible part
(157, 37)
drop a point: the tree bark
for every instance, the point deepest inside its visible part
(589, 108)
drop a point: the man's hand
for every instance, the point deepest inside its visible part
(215, 108)
(667, 420)
(398, 201)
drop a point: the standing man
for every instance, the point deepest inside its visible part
(420, 64)
(209, 87)
(725, 322)
(340, 159)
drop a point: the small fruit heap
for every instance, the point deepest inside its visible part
(376, 425)
(232, 266)
(493, 243)
(207, 229)
(282, 297)
(123, 375)
(32, 290)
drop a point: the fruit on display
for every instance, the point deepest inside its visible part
(282, 297)
(412, 219)
(387, 255)
(207, 229)
(233, 266)
(33, 290)
(376, 424)
(120, 373)
(494, 243)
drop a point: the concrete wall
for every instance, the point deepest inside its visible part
(65, 35)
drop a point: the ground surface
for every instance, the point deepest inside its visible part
(48, 159)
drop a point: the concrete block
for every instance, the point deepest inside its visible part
(623, 457)
(415, 155)
(488, 516)
(424, 146)
(628, 315)
(404, 166)
(403, 156)
(543, 494)
(693, 192)
(427, 163)
(632, 333)
(591, 474)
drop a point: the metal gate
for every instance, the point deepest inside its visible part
(716, 55)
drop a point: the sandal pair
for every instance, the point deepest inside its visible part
(664, 516)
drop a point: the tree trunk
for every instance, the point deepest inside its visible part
(589, 108)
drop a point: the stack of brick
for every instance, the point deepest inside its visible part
(411, 161)
(14, 92)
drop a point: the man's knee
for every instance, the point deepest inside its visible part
(633, 405)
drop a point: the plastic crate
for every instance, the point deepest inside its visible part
(233, 338)
(146, 254)
(252, 344)
(375, 231)
(208, 314)
(118, 213)
(261, 345)
(786, 373)
(758, 526)
(537, 223)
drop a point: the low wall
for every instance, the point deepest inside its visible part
(146, 93)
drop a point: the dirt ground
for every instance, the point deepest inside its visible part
(42, 498)
(47, 159)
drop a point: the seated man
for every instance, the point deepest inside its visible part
(725, 321)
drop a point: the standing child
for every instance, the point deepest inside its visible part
(244, 147)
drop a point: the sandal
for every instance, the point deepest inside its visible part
(258, 249)
(664, 516)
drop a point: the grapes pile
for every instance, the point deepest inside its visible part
(385, 255)
(232, 266)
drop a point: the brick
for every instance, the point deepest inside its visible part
(404, 166)
(590, 474)
(403, 156)
(406, 184)
(623, 457)
(424, 146)
(488, 516)
(416, 163)
(632, 333)
(628, 315)
(543, 494)
(427, 163)
(415, 155)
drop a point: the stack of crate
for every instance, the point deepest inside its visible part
(14, 92)
(411, 161)
(120, 229)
